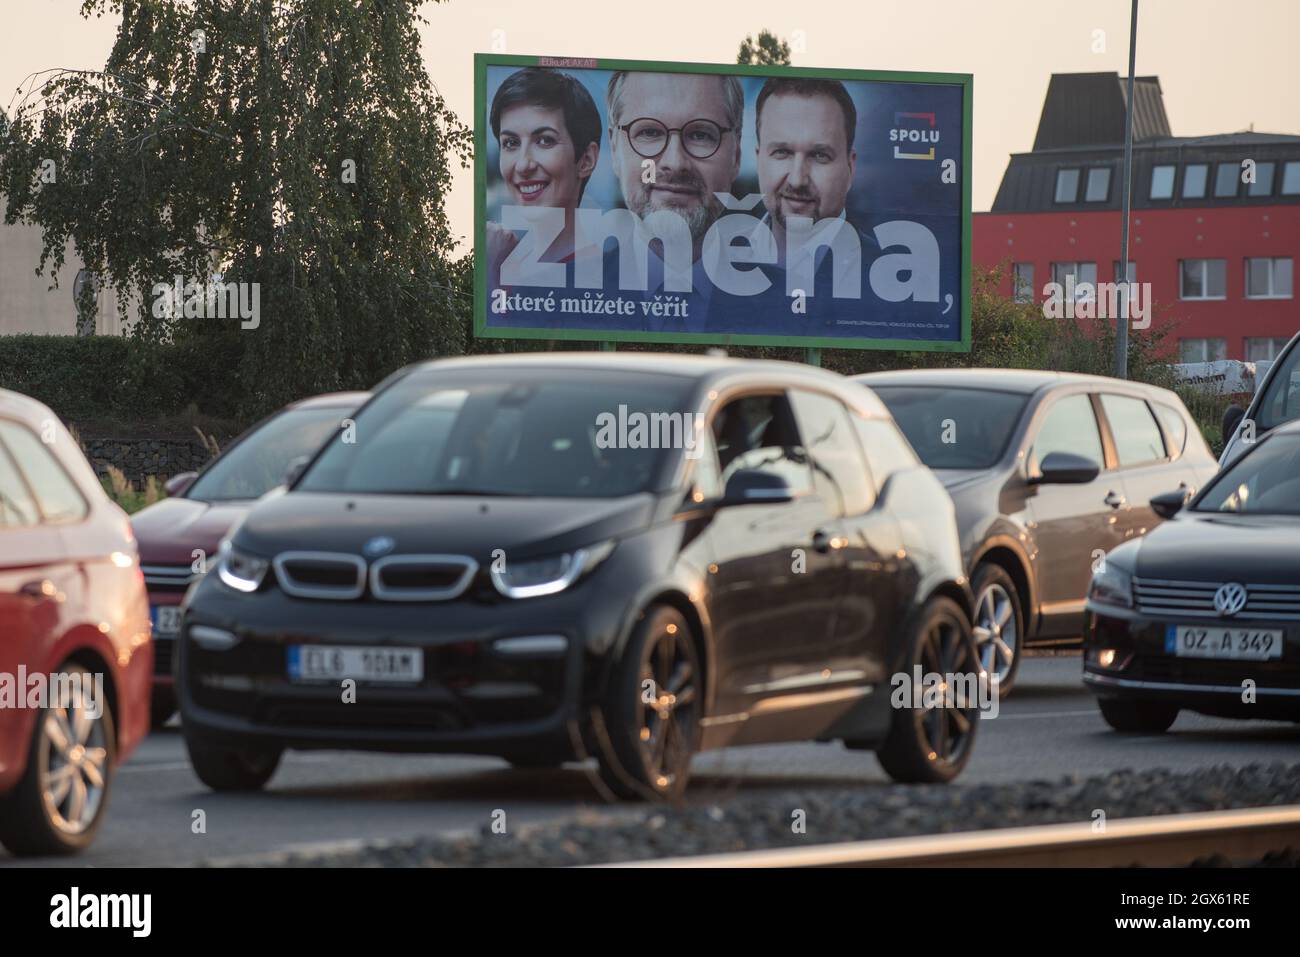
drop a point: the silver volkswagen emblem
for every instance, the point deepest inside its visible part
(379, 545)
(1230, 599)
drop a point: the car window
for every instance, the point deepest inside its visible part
(886, 450)
(759, 432)
(536, 432)
(1137, 437)
(17, 507)
(1265, 481)
(839, 470)
(707, 476)
(1175, 428)
(1069, 426)
(954, 428)
(1281, 403)
(259, 461)
(57, 495)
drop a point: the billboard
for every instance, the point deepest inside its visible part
(674, 202)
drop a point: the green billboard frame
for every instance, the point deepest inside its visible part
(481, 329)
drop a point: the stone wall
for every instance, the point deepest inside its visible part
(140, 458)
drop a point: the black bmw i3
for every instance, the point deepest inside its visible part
(563, 556)
(1204, 613)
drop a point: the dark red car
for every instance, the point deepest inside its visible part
(75, 655)
(180, 535)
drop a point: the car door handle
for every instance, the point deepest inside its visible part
(821, 542)
(1114, 500)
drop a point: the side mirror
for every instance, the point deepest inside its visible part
(756, 487)
(294, 472)
(1066, 468)
(1169, 504)
(179, 484)
(1232, 417)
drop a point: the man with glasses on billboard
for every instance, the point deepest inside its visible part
(675, 140)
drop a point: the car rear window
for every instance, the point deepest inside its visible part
(1137, 437)
(57, 494)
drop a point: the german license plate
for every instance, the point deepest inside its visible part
(1215, 641)
(387, 665)
(166, 620)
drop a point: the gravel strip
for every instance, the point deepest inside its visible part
(770, 820)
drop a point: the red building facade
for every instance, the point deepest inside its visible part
(1214, 231)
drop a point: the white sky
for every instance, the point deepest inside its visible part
(1223, 64)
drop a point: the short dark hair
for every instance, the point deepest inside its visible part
(804, 86)
(552, 90)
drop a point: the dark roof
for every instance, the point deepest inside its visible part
(1085, 109)
(1082, 127)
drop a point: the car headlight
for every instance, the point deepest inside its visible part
(550, 575)
(239, 570)
(1112, 586)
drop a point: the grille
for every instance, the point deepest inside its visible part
(328, 575)
(421, 577)
(1186, 599)
(1266, 674)
(412, 717)
(168, 577)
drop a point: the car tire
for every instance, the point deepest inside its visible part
(224, 768)
(34, 819)
(1138, 717)
(997, 600)
(932, 745)
(647, 746)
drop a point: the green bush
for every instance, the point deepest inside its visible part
(112, 377)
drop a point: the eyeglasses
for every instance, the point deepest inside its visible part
(649, 138)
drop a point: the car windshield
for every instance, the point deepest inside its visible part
(570, 433)
(954, 428)
(258, 463)
(1264, 482)
(1281, 403)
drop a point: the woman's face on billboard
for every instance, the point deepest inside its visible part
(539, 162)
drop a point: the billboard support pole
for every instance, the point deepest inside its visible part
(813, 356)
(1121, 333)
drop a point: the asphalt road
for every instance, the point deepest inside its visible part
(1048, 728)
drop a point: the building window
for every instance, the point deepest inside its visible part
(1263, 185)
(1162, 182)
(1067, 185)
(1098, 190)
(1132, 271)
(1291, 178)
(1264, 349)
(1225, 179)
(1022, 281)
(1082, 273)
(1268, 278)
(1202, 278)
(1194, 176)
(1203, 350)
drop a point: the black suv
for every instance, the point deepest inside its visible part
(1048, 471)
(546, 558)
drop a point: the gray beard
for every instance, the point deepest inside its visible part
(698, 219)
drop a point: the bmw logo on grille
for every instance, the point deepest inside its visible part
(380, 545)
(1230, 599)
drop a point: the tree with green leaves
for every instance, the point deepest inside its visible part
(767, 50)
(296, 147)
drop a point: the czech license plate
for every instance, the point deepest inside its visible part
(334, 663)
(166, 620)
(1216, 641)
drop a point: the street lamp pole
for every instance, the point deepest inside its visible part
(1121, 337)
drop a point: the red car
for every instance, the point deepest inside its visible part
(75, 655)
(179, 536)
